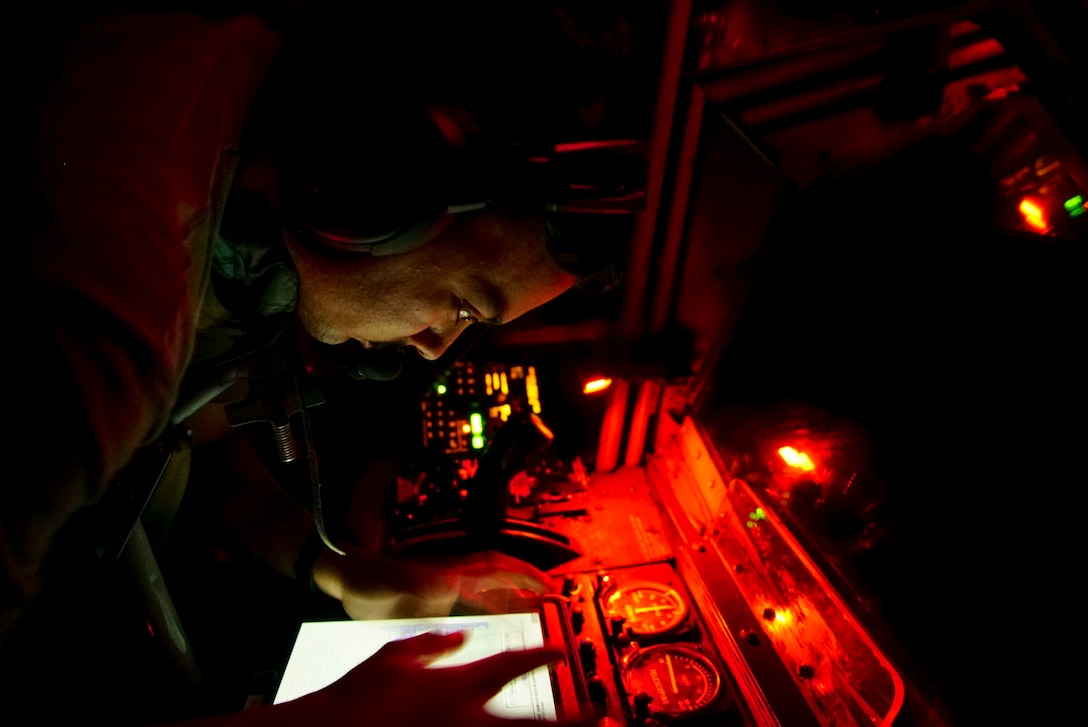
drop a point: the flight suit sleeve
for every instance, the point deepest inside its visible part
(137, 137)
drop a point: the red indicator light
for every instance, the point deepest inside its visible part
(468, 468)
(521, 485)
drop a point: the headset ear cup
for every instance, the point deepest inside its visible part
(419, 235)
(378, 187)
(354, 188)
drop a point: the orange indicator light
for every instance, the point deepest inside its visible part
(542, 427)
(793, 458)
(1033, 214)
(532, 389)
(592, 387)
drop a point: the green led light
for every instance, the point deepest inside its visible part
(478, 442)
(440, 388)
(1074, 203)
(477, 423)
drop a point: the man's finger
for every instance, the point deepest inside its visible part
(421, 649)
(493, 672)
(528, 575)
(531, 582)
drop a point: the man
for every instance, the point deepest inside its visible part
(179, 158)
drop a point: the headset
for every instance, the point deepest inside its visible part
(401, 180)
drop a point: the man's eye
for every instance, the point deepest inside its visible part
(467, 313)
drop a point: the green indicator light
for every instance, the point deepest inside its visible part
(1074, 203)
(750, 524)
(1077, 212)
(760, 514)
(440, 388)
(478, 442)
(477, 423)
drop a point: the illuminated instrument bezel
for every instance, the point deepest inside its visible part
(677, 619)
(712, 675)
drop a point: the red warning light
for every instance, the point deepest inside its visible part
(468, 468)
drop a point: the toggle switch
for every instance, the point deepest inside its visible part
(587, 653)
(577, 619)
(597, 692)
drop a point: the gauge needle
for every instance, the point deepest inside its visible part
(651, 608)
(672, 674)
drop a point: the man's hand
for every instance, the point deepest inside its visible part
(395, 687)
(370, 587)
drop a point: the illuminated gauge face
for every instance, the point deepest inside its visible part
(679, 679)
(649, 608)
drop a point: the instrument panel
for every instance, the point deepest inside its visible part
(689, 602)
(645, 651)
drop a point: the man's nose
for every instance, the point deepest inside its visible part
(432, 342)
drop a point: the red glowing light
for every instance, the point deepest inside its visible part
(575, 146)
(592, 387)
(468, 468)
(793, 458)
(521, 485)
(1033, 214)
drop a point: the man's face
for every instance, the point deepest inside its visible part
(488, 266)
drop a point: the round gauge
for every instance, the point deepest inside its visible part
(649, 609)
(678, 679)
